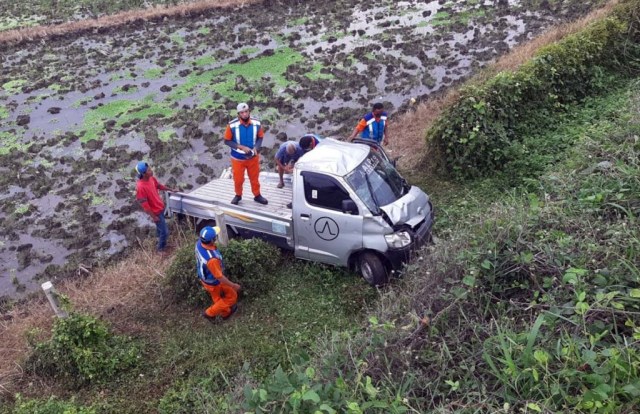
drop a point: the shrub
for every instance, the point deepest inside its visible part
(82, 350)
(482, 131)
(183, 280)
(251, 263)
(50, 406)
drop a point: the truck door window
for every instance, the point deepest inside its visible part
(323, 191)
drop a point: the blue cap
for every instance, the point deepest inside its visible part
(209, 234)
(141, 168)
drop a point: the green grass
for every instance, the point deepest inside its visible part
(10, 141)
(205, 60)
(124, 111)
(249, 50)
(315, 73)
(204, 30)
(154, 73)
(177, 38)
(166, 135)
(14, 87)
(4, 112)
(223, 80)
(9, 22)
(441, 19)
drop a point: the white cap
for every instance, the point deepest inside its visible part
(242, 107)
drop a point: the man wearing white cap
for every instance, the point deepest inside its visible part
(244, 136)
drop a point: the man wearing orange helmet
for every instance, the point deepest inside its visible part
(224, 293)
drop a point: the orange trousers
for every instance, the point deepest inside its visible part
(252, 166)
(223, 297)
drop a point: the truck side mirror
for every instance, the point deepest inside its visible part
(349, 207)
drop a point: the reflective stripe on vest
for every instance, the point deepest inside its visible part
(375, 128)
(203, 255)
(246, 135)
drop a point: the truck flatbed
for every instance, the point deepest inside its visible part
(273, 219)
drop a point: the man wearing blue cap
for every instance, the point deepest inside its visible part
(148, 197)
(223, 292)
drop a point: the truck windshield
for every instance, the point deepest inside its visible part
(376, 182)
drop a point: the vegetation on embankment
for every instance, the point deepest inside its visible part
(485, 131)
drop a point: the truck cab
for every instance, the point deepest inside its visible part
(352, 208)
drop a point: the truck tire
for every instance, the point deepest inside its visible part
(373, 271)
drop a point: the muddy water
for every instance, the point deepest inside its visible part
(79, 112)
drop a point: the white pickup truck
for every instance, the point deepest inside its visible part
(349, 207)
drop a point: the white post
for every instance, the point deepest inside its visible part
(52, 295)
(223, 237)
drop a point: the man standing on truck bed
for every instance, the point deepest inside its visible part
(288, 154)
(147, 195)
(224, 293)
(244, 136)
(373, 125)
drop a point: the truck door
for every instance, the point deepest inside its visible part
(326, 233)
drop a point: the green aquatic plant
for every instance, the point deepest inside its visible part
(249, 50)
(153, 73)
(206, 60)
(15, 86)
(224, 80)
(9, 141)
(124, 111)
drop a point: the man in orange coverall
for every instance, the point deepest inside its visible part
(224, 293)
(244, 136)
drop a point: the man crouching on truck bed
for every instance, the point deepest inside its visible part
(244, 136)
(224, 293)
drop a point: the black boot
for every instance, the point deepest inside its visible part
(236, 200)
(260, 199)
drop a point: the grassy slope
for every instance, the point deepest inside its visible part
(537, 288)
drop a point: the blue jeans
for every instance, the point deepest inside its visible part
(162, 231)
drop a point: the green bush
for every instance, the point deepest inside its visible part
(251, 263)
(50, 406)
(82, 350)
(182, 278)
(481, 132)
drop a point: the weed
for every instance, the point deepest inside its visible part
(14, 87)
(52, 405)
(82, 350)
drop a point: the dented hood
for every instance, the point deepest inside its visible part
(410, 209)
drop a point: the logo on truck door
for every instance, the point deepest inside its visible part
(326, 228)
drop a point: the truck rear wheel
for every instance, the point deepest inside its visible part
(372, 269)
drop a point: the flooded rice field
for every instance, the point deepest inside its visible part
(77, 113)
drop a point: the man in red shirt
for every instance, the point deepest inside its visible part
(148, 197)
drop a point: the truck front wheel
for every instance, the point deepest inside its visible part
(372, 269)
